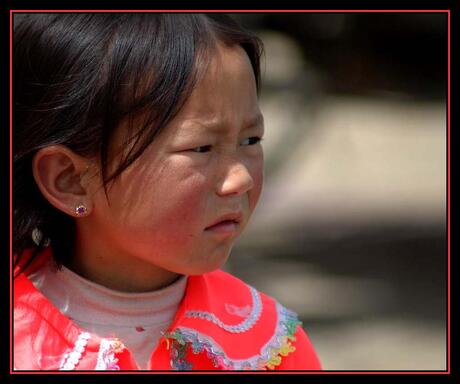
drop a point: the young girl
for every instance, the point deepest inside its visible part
(137, 163)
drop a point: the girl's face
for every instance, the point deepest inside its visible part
(207, 163)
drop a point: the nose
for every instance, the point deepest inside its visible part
(236, 181)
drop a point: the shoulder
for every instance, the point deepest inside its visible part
(39, 332)
(246, 324)
(42, 334)
(303, 355)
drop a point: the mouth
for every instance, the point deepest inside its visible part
(226, 224)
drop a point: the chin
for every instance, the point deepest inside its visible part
(211, 264)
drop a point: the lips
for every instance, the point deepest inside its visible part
(226, 223)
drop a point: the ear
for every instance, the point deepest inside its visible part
(58, 172)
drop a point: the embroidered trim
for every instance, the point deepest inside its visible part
(71, 359)
(106, 359)
(270, 355)
(178, 352)
(244, 326)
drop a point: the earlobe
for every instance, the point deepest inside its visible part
(57, 171)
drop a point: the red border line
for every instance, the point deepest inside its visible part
(11, 189)
(240, 11)
(448, 191)
(236, 372)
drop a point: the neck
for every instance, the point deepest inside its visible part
(109, 276)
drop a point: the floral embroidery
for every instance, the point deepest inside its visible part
(285, 348)
(244, 326)
(71, 359)
(178, 351)
(106, 359)
(197, 347)
(274, 361)
(270, 355)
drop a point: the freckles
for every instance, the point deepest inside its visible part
(184, 196)
(166, 199)
(189, 180)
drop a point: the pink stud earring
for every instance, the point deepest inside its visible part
(81, 210)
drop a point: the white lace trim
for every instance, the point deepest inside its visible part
(244, 326)
(72, 358)
(106, 360)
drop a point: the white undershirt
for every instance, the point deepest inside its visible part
(137, 319)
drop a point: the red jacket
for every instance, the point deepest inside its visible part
(221, 324)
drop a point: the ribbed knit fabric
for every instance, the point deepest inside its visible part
(137, 319)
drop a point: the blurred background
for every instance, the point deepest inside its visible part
(350, 231)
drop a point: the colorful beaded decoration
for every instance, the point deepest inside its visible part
(269, 357)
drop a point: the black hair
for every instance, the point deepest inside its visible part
(77, 76)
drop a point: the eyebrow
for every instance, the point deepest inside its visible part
(255, 121)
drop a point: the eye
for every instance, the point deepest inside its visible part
(202, 149)
(251, 140)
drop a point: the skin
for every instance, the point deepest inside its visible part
(204, 164)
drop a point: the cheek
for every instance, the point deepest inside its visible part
(183, 204)
(169, 199)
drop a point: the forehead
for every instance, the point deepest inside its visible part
(224, 100)
(226, 96)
